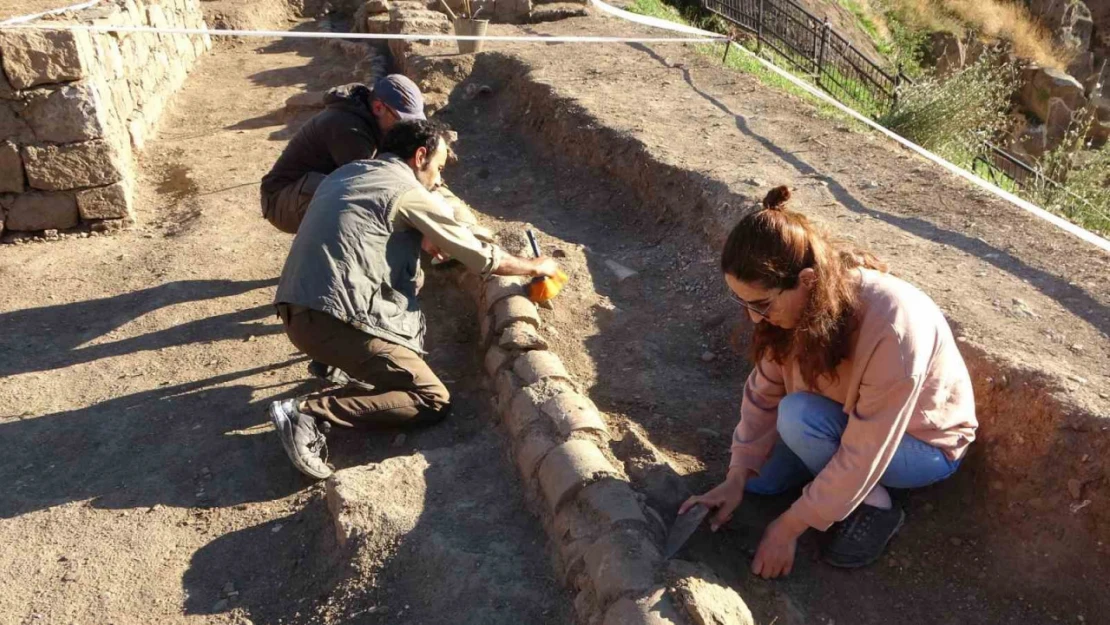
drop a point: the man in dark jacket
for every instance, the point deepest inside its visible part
(350, 127)
(348, 291)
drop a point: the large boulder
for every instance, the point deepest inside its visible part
(1042, 84)
(35, 57)
(945, 52)
(1060, 120)
(1070, 21)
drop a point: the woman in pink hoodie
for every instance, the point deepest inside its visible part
(858, 386)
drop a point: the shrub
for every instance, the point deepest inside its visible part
(1075, 181)
(955, 115)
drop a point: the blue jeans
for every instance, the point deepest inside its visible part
(810, 427)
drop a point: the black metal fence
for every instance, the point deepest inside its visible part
(1003, 169)
(813, 47)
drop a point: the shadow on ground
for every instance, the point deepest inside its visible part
(53, 337)
(449, 542)
(1070, 296)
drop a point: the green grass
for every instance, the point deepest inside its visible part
(867, 23)
(737, 59)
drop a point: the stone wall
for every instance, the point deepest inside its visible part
(75, 105)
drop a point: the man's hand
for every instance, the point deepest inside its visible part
(431, 248)
(545, 266)
(775, 555)
(725, 498)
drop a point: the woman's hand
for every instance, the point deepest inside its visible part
(775, 555)
(725, 497)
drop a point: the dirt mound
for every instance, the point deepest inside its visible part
(438, 538)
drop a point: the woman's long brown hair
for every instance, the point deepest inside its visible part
(770, 247)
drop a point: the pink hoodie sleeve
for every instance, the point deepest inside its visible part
(889, 390)
(756, 434)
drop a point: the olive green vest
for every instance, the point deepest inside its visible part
(349, 262)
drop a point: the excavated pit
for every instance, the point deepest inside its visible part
(1016, 536)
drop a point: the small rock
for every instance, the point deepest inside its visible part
(399, 440)
(1075, 488)
(1022, 308)
(50, 234)
(229, 588)
(220, 605)
(755, 182)
(1077, 379)
(873, 184)
(708, 356)
(708, 432)
(276, 528)
(956, 541)
(1077, 348)
(929, 507)
(70, 576)
(712, 321)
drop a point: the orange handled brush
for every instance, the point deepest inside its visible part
(542, 290)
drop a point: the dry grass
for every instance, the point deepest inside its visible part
(1000, 19)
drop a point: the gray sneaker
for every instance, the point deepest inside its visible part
(301, 437)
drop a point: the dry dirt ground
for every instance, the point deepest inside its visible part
(142, 482)
(17, 8)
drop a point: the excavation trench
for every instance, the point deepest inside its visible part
(1016, 536)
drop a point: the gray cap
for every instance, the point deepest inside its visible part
(402, 95)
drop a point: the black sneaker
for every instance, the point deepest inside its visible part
(861, 538)
(302, 439)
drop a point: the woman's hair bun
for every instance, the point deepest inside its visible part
(777, 198)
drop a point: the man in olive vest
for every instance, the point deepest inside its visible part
(348, 291)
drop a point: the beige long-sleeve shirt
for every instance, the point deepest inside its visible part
(904, 376)
(434, 218)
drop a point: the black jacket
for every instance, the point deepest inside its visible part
(344, 131)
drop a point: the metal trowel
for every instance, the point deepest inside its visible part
(684, 527)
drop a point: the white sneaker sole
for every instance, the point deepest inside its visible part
(284, 428)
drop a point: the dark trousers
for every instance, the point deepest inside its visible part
(285, 209)
(400, 389)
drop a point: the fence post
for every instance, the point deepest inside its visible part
(820, 60)
(759, 29)
(897, 85)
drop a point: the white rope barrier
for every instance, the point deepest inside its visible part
(1025, 205)
(288, 34)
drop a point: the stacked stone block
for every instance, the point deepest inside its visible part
(75, 104)
(608, 545)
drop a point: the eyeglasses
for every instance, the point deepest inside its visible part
(761, 313)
